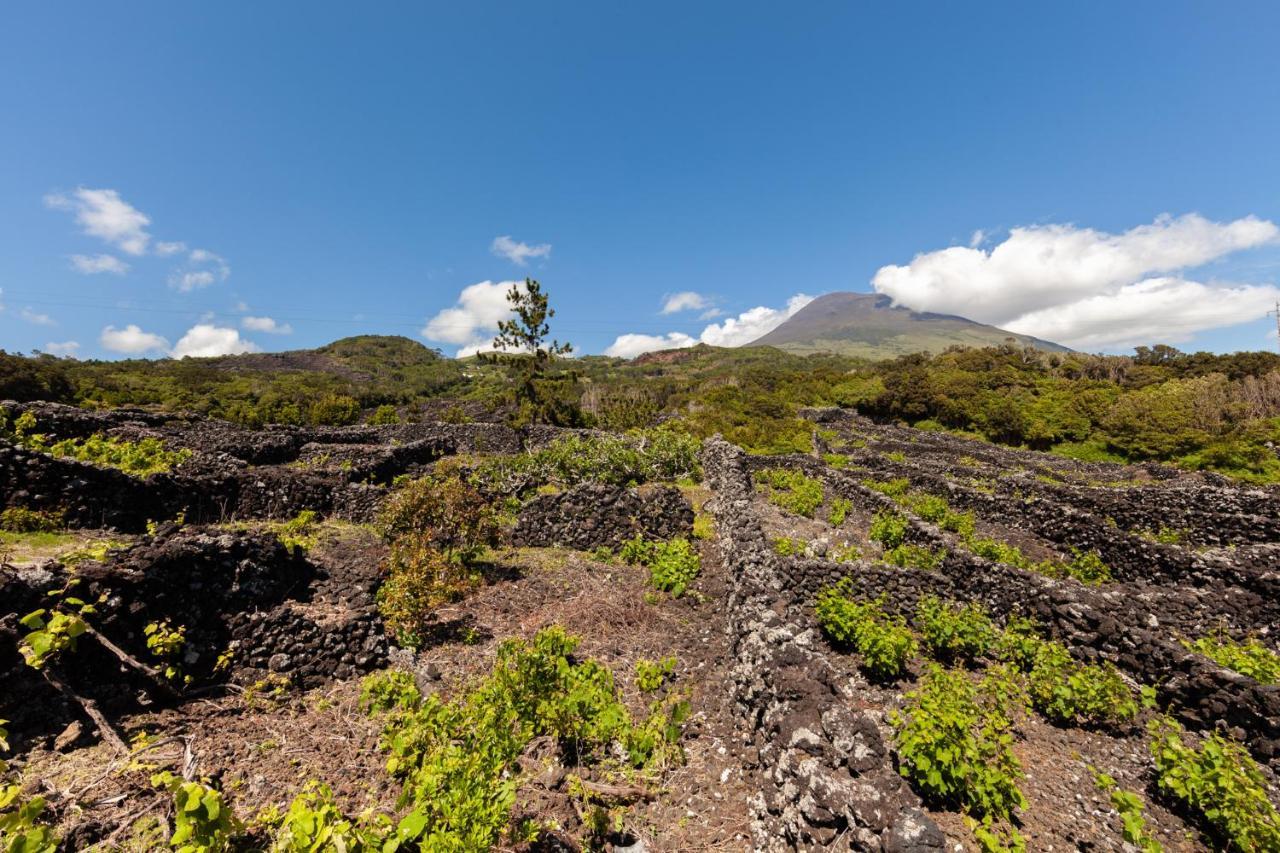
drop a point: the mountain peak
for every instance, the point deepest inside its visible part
(871, 326)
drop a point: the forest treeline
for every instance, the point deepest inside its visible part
(1196, 410)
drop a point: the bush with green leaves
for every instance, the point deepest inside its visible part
(954, 744)
(637, 551)
(445, 513)
(17, 519)
(907, 556)
(313, 823)
(674, 566)
(202, 821)
(642, 456)
(166, 642)
(298, 534)
(457, 759)
(838, 511)
(1247, 657)
(419, 579)
(892, 488)
(1220, 782)
(889, 529)
(54, 629)
(1130, 808)
(792, 490)
(1069, 692)
(884, 642)
(21, 826)
(139, 458)
(651, 675)
(952, 631)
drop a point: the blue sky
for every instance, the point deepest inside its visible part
(333, 169)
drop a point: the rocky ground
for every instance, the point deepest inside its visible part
(789, 744)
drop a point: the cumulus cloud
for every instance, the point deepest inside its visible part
(36, 318)
(203, 269)
(65, 348)
(749, 325)
(1065, 283)
(94, 264)
(731, 332)
(685, 300)
(164, 250)
(105, 215)
(632, 345)
(266, 324)
(131, 340)
(516, 252)
(1164, 310)
(204, 340)
(472, 323)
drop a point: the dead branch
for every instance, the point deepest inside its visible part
(90, 708)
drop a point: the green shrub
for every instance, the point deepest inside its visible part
(838, 511)
(792, 490)
(915, 557)
(17, 519)
(447, 513)
(1069, 692)
(314, 823)
(889, 529)
(1220, 782)
(419, 579)
(785, 546)
(637, 551)
(1019, 642)
(675, 565)
(298, 533)
(884, 642)
(893, 488)
(333, 410)
(458, 760)
(21, 826)
(953, 631)
(1249, 657)
(384, 415)
(202, 821)
(1130, 807)
(653, 455)
(651, 675)
(954, 741)
(139, 458)
(1085, 566)
(998, 552)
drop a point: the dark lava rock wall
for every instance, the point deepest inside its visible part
(834, 779)
(592, 515)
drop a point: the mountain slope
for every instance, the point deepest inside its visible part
(871, 326)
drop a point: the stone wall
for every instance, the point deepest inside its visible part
(834, 778)
(593, 515)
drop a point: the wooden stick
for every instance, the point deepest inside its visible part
(129, 660)
(90, 707)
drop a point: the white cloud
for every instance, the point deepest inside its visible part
(979, 237)
(164, 250)
(1063, 283)
(66, 348)
(36, 318)
(749, 325)
(204, 269)
(517, 252)
(685, 300)
(103, 214)
(473, 321)
(266, 324)
(732, 332)
(93, 264)
(1155, 310)
(204, 340)
(131, 340)
(632, 345)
